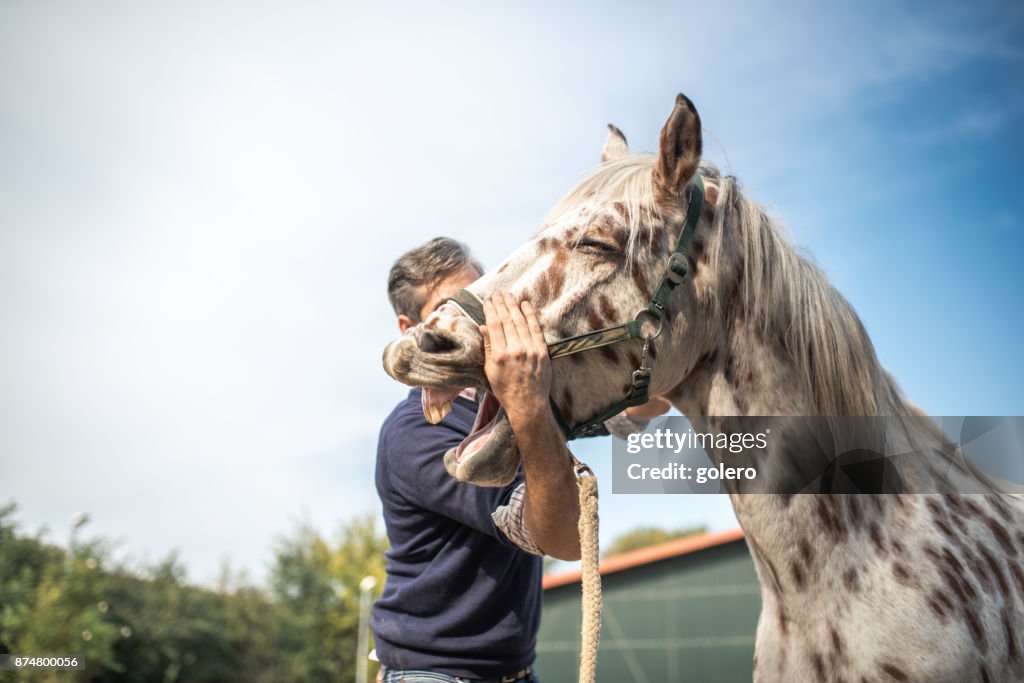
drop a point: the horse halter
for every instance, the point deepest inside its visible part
(675, 273)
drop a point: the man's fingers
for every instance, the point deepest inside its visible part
(517, 316)
(523, 327)
(512, 341)
(653, 408)
(495, 333)
(500, 309)
(536, 333)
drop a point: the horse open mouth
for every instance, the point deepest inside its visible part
(483, 427)
(489, 456)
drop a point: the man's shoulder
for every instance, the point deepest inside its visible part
(403, 419)
(410, 450)
(408, 416)
(407, 430)
(407, 408)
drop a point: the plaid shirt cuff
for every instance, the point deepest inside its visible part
(509, 518)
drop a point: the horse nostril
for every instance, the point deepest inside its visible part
(430, 341)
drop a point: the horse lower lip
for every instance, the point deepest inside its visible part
(486, 420)
(439, 400)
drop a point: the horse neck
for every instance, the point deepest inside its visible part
(740, 373)
(789, 536)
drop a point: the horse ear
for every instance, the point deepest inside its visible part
(679, 153)
(615, 146)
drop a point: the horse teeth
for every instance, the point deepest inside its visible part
(445, 408)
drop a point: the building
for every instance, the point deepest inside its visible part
(685, 610)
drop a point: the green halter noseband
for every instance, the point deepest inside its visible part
(675, 273)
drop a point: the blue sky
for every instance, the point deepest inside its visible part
(199, 204)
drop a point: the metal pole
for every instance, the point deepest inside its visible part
(78, 520)
(365, 586)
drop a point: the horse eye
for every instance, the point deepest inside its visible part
(596, 246)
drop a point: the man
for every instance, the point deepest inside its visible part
(463, 591)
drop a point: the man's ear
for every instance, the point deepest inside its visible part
(404, 323)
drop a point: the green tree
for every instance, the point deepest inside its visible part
(173, 631)
(154, 626)
(318, 585)
(359, 553)
(53, 601)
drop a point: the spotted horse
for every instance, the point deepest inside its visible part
(854, 587)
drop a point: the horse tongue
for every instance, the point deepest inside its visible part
(437, 403)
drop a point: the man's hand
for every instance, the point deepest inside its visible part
(653, 408)
(516, 357)
(517, 366)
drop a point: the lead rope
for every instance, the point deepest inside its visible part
(590, 632)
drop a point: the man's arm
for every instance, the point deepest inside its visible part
(519, 371)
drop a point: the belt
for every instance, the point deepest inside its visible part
(512, 678)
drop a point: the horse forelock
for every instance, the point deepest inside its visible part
(619, 192)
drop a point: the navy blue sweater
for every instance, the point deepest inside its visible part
(460, 598)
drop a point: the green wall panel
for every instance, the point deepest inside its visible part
(688, 618)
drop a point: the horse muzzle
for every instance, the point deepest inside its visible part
(449, 357)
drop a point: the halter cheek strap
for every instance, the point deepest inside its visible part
(675, 273)
(468, 302)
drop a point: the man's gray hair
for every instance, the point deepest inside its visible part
(417, 271)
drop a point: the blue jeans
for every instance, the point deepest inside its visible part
(411, 676)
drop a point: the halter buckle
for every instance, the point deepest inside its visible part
(643, 354)
(678, 267)
(641, 380)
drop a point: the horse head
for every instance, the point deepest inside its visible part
(596, 261)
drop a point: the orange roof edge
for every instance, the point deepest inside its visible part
(635, 558)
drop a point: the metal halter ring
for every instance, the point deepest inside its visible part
(660, 321)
